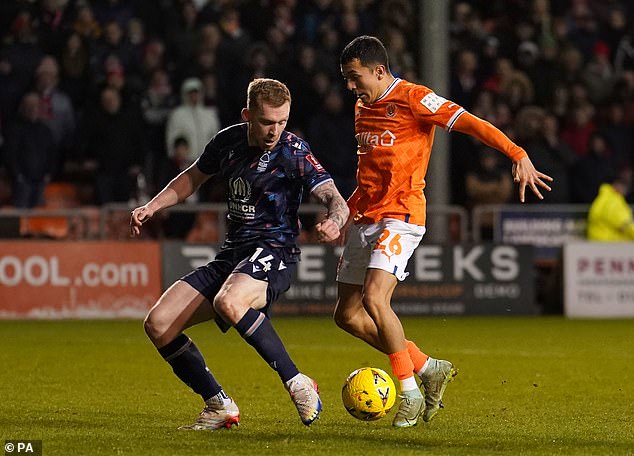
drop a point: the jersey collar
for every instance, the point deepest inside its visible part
(389, 89)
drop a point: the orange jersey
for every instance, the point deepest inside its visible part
(395, 136)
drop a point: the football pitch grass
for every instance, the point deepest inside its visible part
(538, 386)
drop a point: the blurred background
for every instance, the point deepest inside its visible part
(102, 102)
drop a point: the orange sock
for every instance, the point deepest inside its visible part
(418, 357)
(402, 365)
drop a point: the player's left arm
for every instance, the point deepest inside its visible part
(328, 230)
(524, 173)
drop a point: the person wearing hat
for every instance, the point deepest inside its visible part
(191, 120)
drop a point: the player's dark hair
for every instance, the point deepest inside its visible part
(269, 91)
(367, 49)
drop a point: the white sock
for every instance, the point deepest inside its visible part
(425, 366)
(409, 384)
(297, 377)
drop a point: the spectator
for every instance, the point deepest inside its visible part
(154, 58)
(52, 25)
(56, 109)
(570, 64)
(464, 80)
(113, 45)
(177, 225)
(541, 69)
(29, 153)
(112, 144)
(580, 127)
(401, 59)
(331, 133)
(624, 56)
(538, 133)
(210, 89)
(22, 49)
(610, 217)
(157, 103)
(191, 120)
(182, 34)
(591, 170)
(230, 57)
(615, 30)
(598, 75)
(300, 84)
(488, 184)
(618, 133)
(86, 25)
(583, 34)
(259, 63)
(75, 70)
(11, 89)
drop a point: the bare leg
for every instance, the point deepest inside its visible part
(352, 317)
(179, 308)
(377, 294)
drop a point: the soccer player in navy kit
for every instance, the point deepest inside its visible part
(266, 169)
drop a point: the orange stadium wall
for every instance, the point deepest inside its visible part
(49, 280)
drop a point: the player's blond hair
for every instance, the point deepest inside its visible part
(269, 91)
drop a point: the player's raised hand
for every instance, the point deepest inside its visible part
(327, 231)
(525, 174)
(139, 216)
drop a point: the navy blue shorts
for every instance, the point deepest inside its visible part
(258, 261)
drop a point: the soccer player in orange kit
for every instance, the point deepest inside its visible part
(395, 122)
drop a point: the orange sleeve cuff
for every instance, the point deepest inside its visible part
(490, 135)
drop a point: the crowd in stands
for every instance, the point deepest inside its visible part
(114, 97)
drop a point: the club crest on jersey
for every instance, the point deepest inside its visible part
(313, 161)
(390, 110)
(263, 163)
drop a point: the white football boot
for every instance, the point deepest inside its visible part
(216, 415)
(305, 394)
(434, 380)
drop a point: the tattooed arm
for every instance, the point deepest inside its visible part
(328, 195)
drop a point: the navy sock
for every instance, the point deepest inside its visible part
(258, 331)
(189, 365)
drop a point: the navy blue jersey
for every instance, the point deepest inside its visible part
(263, 188)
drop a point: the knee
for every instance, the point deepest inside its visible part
(341, 319)
(156, 328)
(225, 307)
(345, 320)
(373, 305)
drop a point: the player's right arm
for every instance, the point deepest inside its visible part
(524, 173)
(179, 188)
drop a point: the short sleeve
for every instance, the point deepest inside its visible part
(427, 106)
(209, 160)
(308, 168)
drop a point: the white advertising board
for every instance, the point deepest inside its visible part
(599, 279)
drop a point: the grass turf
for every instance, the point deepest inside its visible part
(526, 386)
